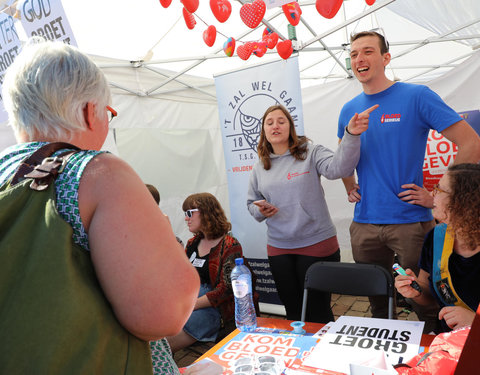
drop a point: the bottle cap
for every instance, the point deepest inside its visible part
(238, 261)
(298, 327)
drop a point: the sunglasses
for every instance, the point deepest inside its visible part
(111, 113)
(189, 213)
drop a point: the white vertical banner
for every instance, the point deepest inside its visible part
(243, 96)
(9, 49)
(46, 18)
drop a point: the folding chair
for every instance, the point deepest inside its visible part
(354, 279)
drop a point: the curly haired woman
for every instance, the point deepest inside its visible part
(450, 261)
(212, 251)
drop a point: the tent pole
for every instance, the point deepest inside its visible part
(437, 38)
(432, 69)
(152, 69)
(327, 49)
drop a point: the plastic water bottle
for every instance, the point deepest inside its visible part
(245, 315)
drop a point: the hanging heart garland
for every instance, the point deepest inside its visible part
(189, 19)
(245, 50)
(191, 5)
(292, 12)
(284, 48)
(271, 40)
(259, 48)
(165, 3)
(266, 32)
(221, 9)
(252, 14)
(209, 35)
(328, 8)
(229, 47)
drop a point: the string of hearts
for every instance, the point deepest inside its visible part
(252, 15)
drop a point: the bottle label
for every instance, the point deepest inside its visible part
(240, 287)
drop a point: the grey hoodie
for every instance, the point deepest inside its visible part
(294, 187)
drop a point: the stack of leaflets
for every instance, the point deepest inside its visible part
(353, 340)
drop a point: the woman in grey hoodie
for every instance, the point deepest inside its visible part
(285, 190)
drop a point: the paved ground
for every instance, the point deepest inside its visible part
(341, 305)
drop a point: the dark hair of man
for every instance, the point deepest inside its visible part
(383, 44)
(155, 194)
(296, 144)
(214, 223)
(464, 202)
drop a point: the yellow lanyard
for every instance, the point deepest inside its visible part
(444, 273)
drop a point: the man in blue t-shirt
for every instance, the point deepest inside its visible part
(392, 214)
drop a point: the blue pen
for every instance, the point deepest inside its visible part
(398, 269)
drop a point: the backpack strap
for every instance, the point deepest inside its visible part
(42, 167)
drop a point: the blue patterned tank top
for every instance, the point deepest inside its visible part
(66, 184)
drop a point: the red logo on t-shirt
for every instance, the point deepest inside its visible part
(295, 174)
(395, 117)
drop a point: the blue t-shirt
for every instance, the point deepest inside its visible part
(393, 149)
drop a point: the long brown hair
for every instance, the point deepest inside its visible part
(214, 223)
(464, 202)
(296, 144)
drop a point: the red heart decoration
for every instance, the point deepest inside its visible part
(165, 3)
(370, 2)
(328, 8)
(252, 14)
(209, 35)
(259, 48)
(221, 9)
(266, 32)
(271, 40)
(189, 19)
(292, 12)
(285, 49)
(245, 50)
(191, 5)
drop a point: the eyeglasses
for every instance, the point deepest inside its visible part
(189, 213)
(378, 30)
(436, 189)
(111, 113)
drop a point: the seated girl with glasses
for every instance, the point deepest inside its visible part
(450, 260)
(212, 251)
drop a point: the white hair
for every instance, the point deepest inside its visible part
(47, 87)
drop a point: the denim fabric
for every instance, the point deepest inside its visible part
(204, 324)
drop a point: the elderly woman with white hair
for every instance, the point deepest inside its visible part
(120, 279)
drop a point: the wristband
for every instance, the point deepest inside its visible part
(346, 129)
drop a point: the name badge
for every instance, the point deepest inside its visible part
(198, 262)
(446, 291)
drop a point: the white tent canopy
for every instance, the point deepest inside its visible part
(437, 31)
(161, 78)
